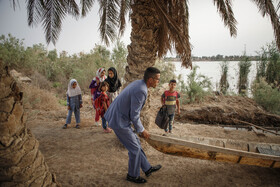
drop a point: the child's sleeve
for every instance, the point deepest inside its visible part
(80, 98)
(68, 100)
(93, 84)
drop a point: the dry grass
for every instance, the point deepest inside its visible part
(36, 98)
(40, 81)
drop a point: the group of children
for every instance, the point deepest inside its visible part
(103, 92)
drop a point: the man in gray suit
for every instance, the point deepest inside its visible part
(125, 111)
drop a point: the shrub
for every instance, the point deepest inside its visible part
(11, 51)
(269, 66)
(266, 96)
(56, 84)
(197, 88)
(63, 102)
(119, 56)
(40, 81)
(273, 66)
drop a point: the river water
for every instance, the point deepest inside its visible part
(213, 70)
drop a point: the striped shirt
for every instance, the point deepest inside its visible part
(169, 99)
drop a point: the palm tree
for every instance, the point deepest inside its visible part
(22, 164)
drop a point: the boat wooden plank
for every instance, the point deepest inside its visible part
(220, 157)
(256, 161)
(236, 145)
(276, 165)
(185, 148)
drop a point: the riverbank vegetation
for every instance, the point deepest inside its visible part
(266, 87)
(50, 70)
(54, 70)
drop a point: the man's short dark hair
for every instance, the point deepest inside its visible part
(150, 73)
(172, 81)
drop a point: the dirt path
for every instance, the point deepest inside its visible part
(90, 157)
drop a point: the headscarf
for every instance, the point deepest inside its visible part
(98, 75)
(71, 92)
(114, 83)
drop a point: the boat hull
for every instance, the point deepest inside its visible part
(178, 147)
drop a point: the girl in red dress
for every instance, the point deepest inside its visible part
(102, 103)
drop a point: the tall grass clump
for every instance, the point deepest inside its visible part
(224, 85)
(197, 87)
(261, 65)
(273, 67)
(266, 96)
(244, 70)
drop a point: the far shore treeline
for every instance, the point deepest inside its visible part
(52, 71)
(215, 58)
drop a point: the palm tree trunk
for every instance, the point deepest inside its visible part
(21, 162)
(143, 49)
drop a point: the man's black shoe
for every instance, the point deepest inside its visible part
(136, 179)
(152, 169)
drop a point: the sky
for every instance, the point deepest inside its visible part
(208, 35)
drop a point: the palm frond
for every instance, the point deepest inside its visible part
(50, 13)
(73, 8)
(266, 7)
(225, 10)
(185, 24)
(108, 20)
(35, 9)
(55, 12)
(174, 29)
(14, 4)
(278, 6)
(124, 8)
(86, 6)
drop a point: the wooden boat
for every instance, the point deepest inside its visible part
(259, 154)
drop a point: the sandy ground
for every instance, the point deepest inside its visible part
(90, 157)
